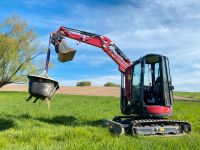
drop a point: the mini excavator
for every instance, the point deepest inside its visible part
(146, 86)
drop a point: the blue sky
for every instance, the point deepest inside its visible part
(138, 27)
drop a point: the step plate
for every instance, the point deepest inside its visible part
(116, 127)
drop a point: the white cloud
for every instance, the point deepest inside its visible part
(51, 23)
(33, 3)
(196, 65)
(92, 59)
(187, 82)
(169, 27)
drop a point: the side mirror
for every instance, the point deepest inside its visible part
(171, 87)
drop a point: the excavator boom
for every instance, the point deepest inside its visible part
(95, 40)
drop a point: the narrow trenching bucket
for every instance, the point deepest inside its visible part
(65, 53)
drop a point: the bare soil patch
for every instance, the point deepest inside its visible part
(86, 90)
(90, 90)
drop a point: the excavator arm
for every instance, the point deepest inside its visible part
(95, 40)
(102, 42)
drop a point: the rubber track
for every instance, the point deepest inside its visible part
(143, 122)
(157, 121)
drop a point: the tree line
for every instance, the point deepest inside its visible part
(88, 83)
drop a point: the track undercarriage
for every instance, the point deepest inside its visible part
(137, 126)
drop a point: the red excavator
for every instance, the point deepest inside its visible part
(146, 86)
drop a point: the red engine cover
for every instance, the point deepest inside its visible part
(159, 110)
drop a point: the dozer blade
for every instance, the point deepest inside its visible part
(65, 53)
(149, 127)
(116, 127)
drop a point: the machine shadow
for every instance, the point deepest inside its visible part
(57, 120)
(6, 124)
(70, 121)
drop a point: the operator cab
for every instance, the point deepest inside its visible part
(151, 86)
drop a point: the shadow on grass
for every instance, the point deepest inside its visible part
(6, 124)
(61, 120)
(25, 116)
(70, 121)
(22, 116)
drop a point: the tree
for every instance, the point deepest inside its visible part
(110, 84)
(83, 83)
(18, 47)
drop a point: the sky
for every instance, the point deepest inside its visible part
(137, 27)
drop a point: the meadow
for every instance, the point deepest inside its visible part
(75, 122)
(192, 95)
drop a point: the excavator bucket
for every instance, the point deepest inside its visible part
(65, 53)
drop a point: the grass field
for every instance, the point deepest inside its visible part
(193, 95)
(75, 122)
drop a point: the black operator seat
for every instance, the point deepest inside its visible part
(158, 89)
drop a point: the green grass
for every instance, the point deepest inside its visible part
(193, 95)
(74, 122)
